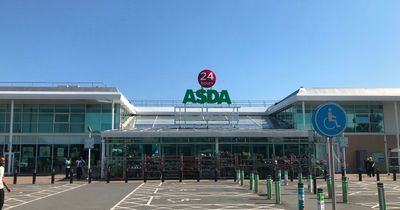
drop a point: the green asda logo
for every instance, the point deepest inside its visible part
(209, 96)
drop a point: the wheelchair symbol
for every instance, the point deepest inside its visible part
(330, 121)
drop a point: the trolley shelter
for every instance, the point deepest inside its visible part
(206, 153)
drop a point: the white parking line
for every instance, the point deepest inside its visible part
(127, 196)
(45, 196)
(149, 202)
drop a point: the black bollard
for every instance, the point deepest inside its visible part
(359, 175)
(394, 175)
(108, 174)
(52, 176)
(378, 178)
(180, 175)
(15, 176)
(315, 185)
(34, 177)
(162, 176)
(325, 175)
(216, 175)
(145, 177)
(291, 175)
(126, 176)
(90, 176)
(198, 176)
(71, 176)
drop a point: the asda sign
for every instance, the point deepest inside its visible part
(202, 96)
(206, 79)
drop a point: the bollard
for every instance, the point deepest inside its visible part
(277, 191)
(198, 175)
(163, 176)
(320, 199)
(236, 178)
(269, 187)
(15, 176)
(216, 175)
(34, 177)
(90, 176)
(285, 176)
(378, 178)
(108, 174)
(71, 176)
(343, 173)
(309, 184)
(126, 175)
(291, 175)
(241, 177)
(359, 175)
(52, 176)
(325, 175)
(256, 183)
(300, 190)
(315, 185)
(180, 176)
(345, 187)
(300, 178)
(329, 186)
(394, 175)
(381, 196)
(251, 181)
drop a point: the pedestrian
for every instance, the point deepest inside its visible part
(67, 167)
(79, 165)
(366, 165)
(371, 165)
(3, 182)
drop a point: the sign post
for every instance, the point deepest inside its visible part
(89, 144)
(329, 120)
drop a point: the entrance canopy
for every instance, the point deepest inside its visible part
(186, 132)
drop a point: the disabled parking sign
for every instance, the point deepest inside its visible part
(329, 120)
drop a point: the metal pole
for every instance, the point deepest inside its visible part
(103, 157)
(300, 190)
(386, 155)
(277, 190)
(269, 187)
(345, 186)
(320, 200)
(90, 136)
(397, 132)
(381, 196)
(332, 172)
(10, 140)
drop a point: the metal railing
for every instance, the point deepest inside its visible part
(53, 84)
(172, 103)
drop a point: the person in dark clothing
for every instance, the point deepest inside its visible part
(79, 165)
(371, 165)
(366, 165)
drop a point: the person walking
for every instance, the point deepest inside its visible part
(371, 165)
(3, 182)
(366, 165)
(67, 167)
(79, 165)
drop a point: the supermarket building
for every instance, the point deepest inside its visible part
(43, 124)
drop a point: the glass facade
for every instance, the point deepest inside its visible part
(361, 118)
(44, 135)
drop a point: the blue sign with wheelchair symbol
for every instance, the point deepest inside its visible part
(329, 120)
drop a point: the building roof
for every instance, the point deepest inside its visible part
(337, 94)
(65, 92)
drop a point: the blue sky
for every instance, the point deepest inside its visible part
(154, 49)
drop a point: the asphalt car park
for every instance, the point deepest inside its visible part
(188, 194)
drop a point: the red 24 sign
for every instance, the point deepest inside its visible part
(207, 78)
